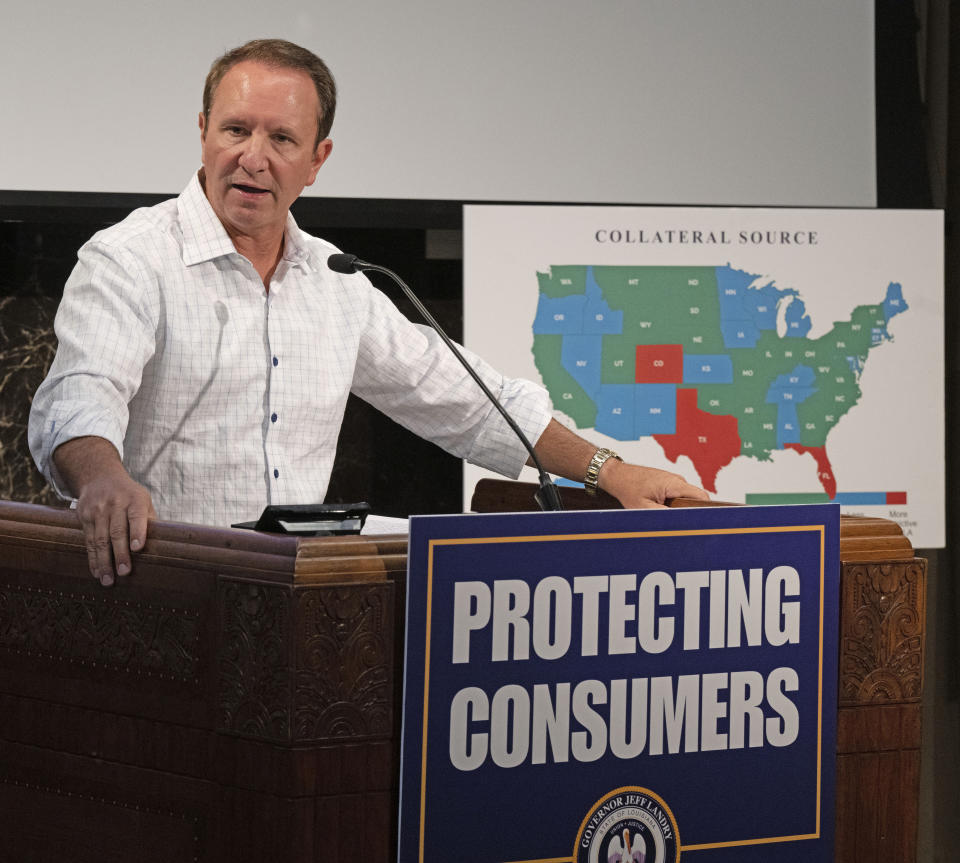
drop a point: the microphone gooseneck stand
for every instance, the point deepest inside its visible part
(547, 495)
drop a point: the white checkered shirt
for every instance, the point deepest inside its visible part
(222, 397)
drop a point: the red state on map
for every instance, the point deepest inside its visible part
(709, 441)
(824, 469)
(659, 364)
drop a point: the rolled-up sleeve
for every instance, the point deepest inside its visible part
(105, 337)
(405, 370)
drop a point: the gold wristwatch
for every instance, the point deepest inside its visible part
(593, 469)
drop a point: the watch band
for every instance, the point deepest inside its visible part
(599, 459)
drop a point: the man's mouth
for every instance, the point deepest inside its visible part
(250, 190)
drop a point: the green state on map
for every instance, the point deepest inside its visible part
(703, 360)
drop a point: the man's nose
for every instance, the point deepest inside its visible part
(253, 157)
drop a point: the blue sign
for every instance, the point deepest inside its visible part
(621, 687)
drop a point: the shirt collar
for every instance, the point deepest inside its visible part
(295, 249)
(205, 238)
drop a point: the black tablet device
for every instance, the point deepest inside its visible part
(311, 519)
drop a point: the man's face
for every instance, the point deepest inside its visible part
(258, 147)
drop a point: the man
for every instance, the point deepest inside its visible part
(206, 351)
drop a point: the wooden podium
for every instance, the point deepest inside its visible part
(237, 698)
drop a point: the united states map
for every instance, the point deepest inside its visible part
(714, 363)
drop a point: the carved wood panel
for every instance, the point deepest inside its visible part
(310, 663)
(881, 632)
(253, 696)
(101, 632)
(344, 661)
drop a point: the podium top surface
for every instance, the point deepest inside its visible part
(51, 532)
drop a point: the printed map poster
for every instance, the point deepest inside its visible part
(772, 356)
(606, 687)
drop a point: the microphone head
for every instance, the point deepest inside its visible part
(342, 263)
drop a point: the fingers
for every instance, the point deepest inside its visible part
(681, 488)
(639, 487)
(119, 542)
(137, 521)
(647, 503)
(114, 518)
(98, 556)
(97, 533)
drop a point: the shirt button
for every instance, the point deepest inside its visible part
(276, 474)
(273, 418)
(276, 362)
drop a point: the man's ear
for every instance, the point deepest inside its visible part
(321, 154)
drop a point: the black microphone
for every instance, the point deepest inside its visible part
(548, 495)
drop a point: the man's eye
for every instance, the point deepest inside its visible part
(234, 130)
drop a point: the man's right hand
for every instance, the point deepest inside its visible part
(113, 509)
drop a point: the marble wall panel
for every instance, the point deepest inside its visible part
(27, 346)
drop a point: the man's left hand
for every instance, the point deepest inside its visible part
(639, 487)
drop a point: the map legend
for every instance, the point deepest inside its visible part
(845, 498)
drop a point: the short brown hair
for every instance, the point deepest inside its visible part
(285, 55)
